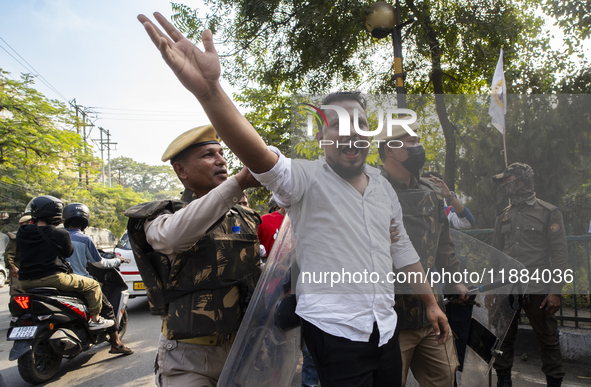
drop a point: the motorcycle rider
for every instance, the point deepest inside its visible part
(43, 249)
(76, 217)
(11, 257)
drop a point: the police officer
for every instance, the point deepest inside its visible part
(12, 259)
(532, 231)
(195, 256)
(428, 228)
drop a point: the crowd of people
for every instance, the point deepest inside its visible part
(343, 215)
(200, 256)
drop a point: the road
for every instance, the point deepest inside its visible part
(96, 367)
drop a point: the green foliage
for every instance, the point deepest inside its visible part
(142, 177)
(40, 155)
(278, 49)
(288, 47)
(109, 204)
(550, 133)
(573, 16)
(37, 150)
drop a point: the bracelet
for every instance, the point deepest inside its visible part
(453, 195)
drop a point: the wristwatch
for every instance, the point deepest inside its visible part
(453, 195)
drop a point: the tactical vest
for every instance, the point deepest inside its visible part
(202, 292)
(423, 215)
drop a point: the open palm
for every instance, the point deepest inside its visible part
(197, 70)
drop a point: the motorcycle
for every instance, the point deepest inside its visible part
(48, 324)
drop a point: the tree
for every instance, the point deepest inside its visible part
(36, 148)
(314, 46)
(142, 177)
(39, 155)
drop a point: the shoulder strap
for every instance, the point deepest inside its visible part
(58, 249)
(46, 239)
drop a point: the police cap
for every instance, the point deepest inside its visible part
(192, 138)
(515, 169)
(397, 132)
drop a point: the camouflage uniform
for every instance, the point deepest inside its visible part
(428, 228)
(532, 231)
(11, 261)
(199, 292)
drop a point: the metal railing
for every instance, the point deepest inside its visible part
(577, 245)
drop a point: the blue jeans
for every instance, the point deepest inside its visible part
(309, 375)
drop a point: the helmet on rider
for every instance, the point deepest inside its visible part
(76, 215)
(46, 207)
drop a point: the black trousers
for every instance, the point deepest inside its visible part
(108, 313)
(341, 362)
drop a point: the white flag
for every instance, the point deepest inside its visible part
(498, 98)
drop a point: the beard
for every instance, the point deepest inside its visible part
(347, 172)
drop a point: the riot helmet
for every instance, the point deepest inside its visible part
(46, 206)
(76, 215)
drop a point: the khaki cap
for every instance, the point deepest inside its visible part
(25, 219)
(201, 135)
(397, 132)
(515, 169)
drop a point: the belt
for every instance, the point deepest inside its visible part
(211, 340)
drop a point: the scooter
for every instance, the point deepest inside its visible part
(48, 324)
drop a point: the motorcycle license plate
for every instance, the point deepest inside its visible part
(138, 286)
(22, 333)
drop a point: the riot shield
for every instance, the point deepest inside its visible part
(268, 344)
(496, 298)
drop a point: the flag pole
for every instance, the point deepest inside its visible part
(505, 146)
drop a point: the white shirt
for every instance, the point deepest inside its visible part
(337, 229)
(458, 223)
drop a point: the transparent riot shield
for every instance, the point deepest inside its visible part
(496, 301)
(268, 344)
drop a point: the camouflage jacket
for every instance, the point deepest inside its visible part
(11, 253)
(200, 293)
(533, 233)
(427, 226)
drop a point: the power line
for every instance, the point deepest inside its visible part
(36, 73)
(147, 119)
(138, 110)
(148, 114)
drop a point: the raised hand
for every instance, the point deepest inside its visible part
(198, 71)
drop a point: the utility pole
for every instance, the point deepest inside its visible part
(77, 108)
(84, 112)
(106, 144)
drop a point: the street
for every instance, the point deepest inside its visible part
(96, 367)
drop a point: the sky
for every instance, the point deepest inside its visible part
(98, 53)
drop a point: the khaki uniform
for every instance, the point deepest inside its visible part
(11, 261)
(432, 364)
(533, 233)
(195, 258)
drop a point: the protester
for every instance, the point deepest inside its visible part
(428, 227)
(459, 216)
(243, 200)
(349, 330)
(270, 225)
(202, 245)
(532, 231)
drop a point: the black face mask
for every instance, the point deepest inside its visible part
(415, 161)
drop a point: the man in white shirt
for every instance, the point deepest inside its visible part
(341, 210)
